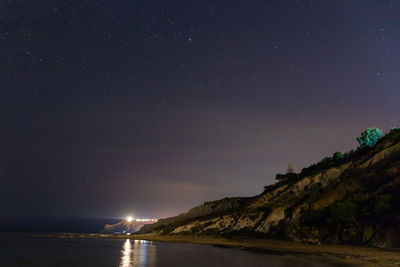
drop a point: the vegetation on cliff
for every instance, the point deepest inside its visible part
(350, 197)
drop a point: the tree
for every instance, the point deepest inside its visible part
(343, 213)
(375, 213)
(289, 175)
(370, 137)
(338, 155)
(290, 168)
(378, 206)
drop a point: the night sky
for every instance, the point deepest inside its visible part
(148, 108)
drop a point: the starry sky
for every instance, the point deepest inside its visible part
(148, 108)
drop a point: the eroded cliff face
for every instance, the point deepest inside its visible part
(208, 208)
(309, 209)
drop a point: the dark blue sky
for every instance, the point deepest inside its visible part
(110, 108)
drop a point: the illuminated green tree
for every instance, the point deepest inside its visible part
(370, 137)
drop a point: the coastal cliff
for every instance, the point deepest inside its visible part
(351, 199)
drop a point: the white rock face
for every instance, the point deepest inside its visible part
(207, 208)
(273, 219)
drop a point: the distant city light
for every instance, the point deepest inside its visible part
(131, 219)
(146, 220)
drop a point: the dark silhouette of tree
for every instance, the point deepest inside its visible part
(343, 213)
(338, 156)
(290, 168)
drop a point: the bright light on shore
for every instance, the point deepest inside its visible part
(131, 219)
(146, 220)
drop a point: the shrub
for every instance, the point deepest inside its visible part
(350, 154)
(287, 176)
(344, 210)
(370, 137)
(378, 205)
(338, 155)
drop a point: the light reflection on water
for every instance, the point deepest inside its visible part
(126, 254)
(135, 255)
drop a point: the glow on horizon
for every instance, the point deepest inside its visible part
(131, 219)
(146, 220)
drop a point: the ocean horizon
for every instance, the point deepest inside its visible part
(54, 224)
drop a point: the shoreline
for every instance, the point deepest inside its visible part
(337, 254)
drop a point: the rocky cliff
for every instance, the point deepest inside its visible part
(351, 199)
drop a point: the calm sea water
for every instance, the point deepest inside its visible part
(123, 253)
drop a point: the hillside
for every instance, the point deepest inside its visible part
(351, 199)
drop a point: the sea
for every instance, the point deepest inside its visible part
(23, 247)
(24, 250)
